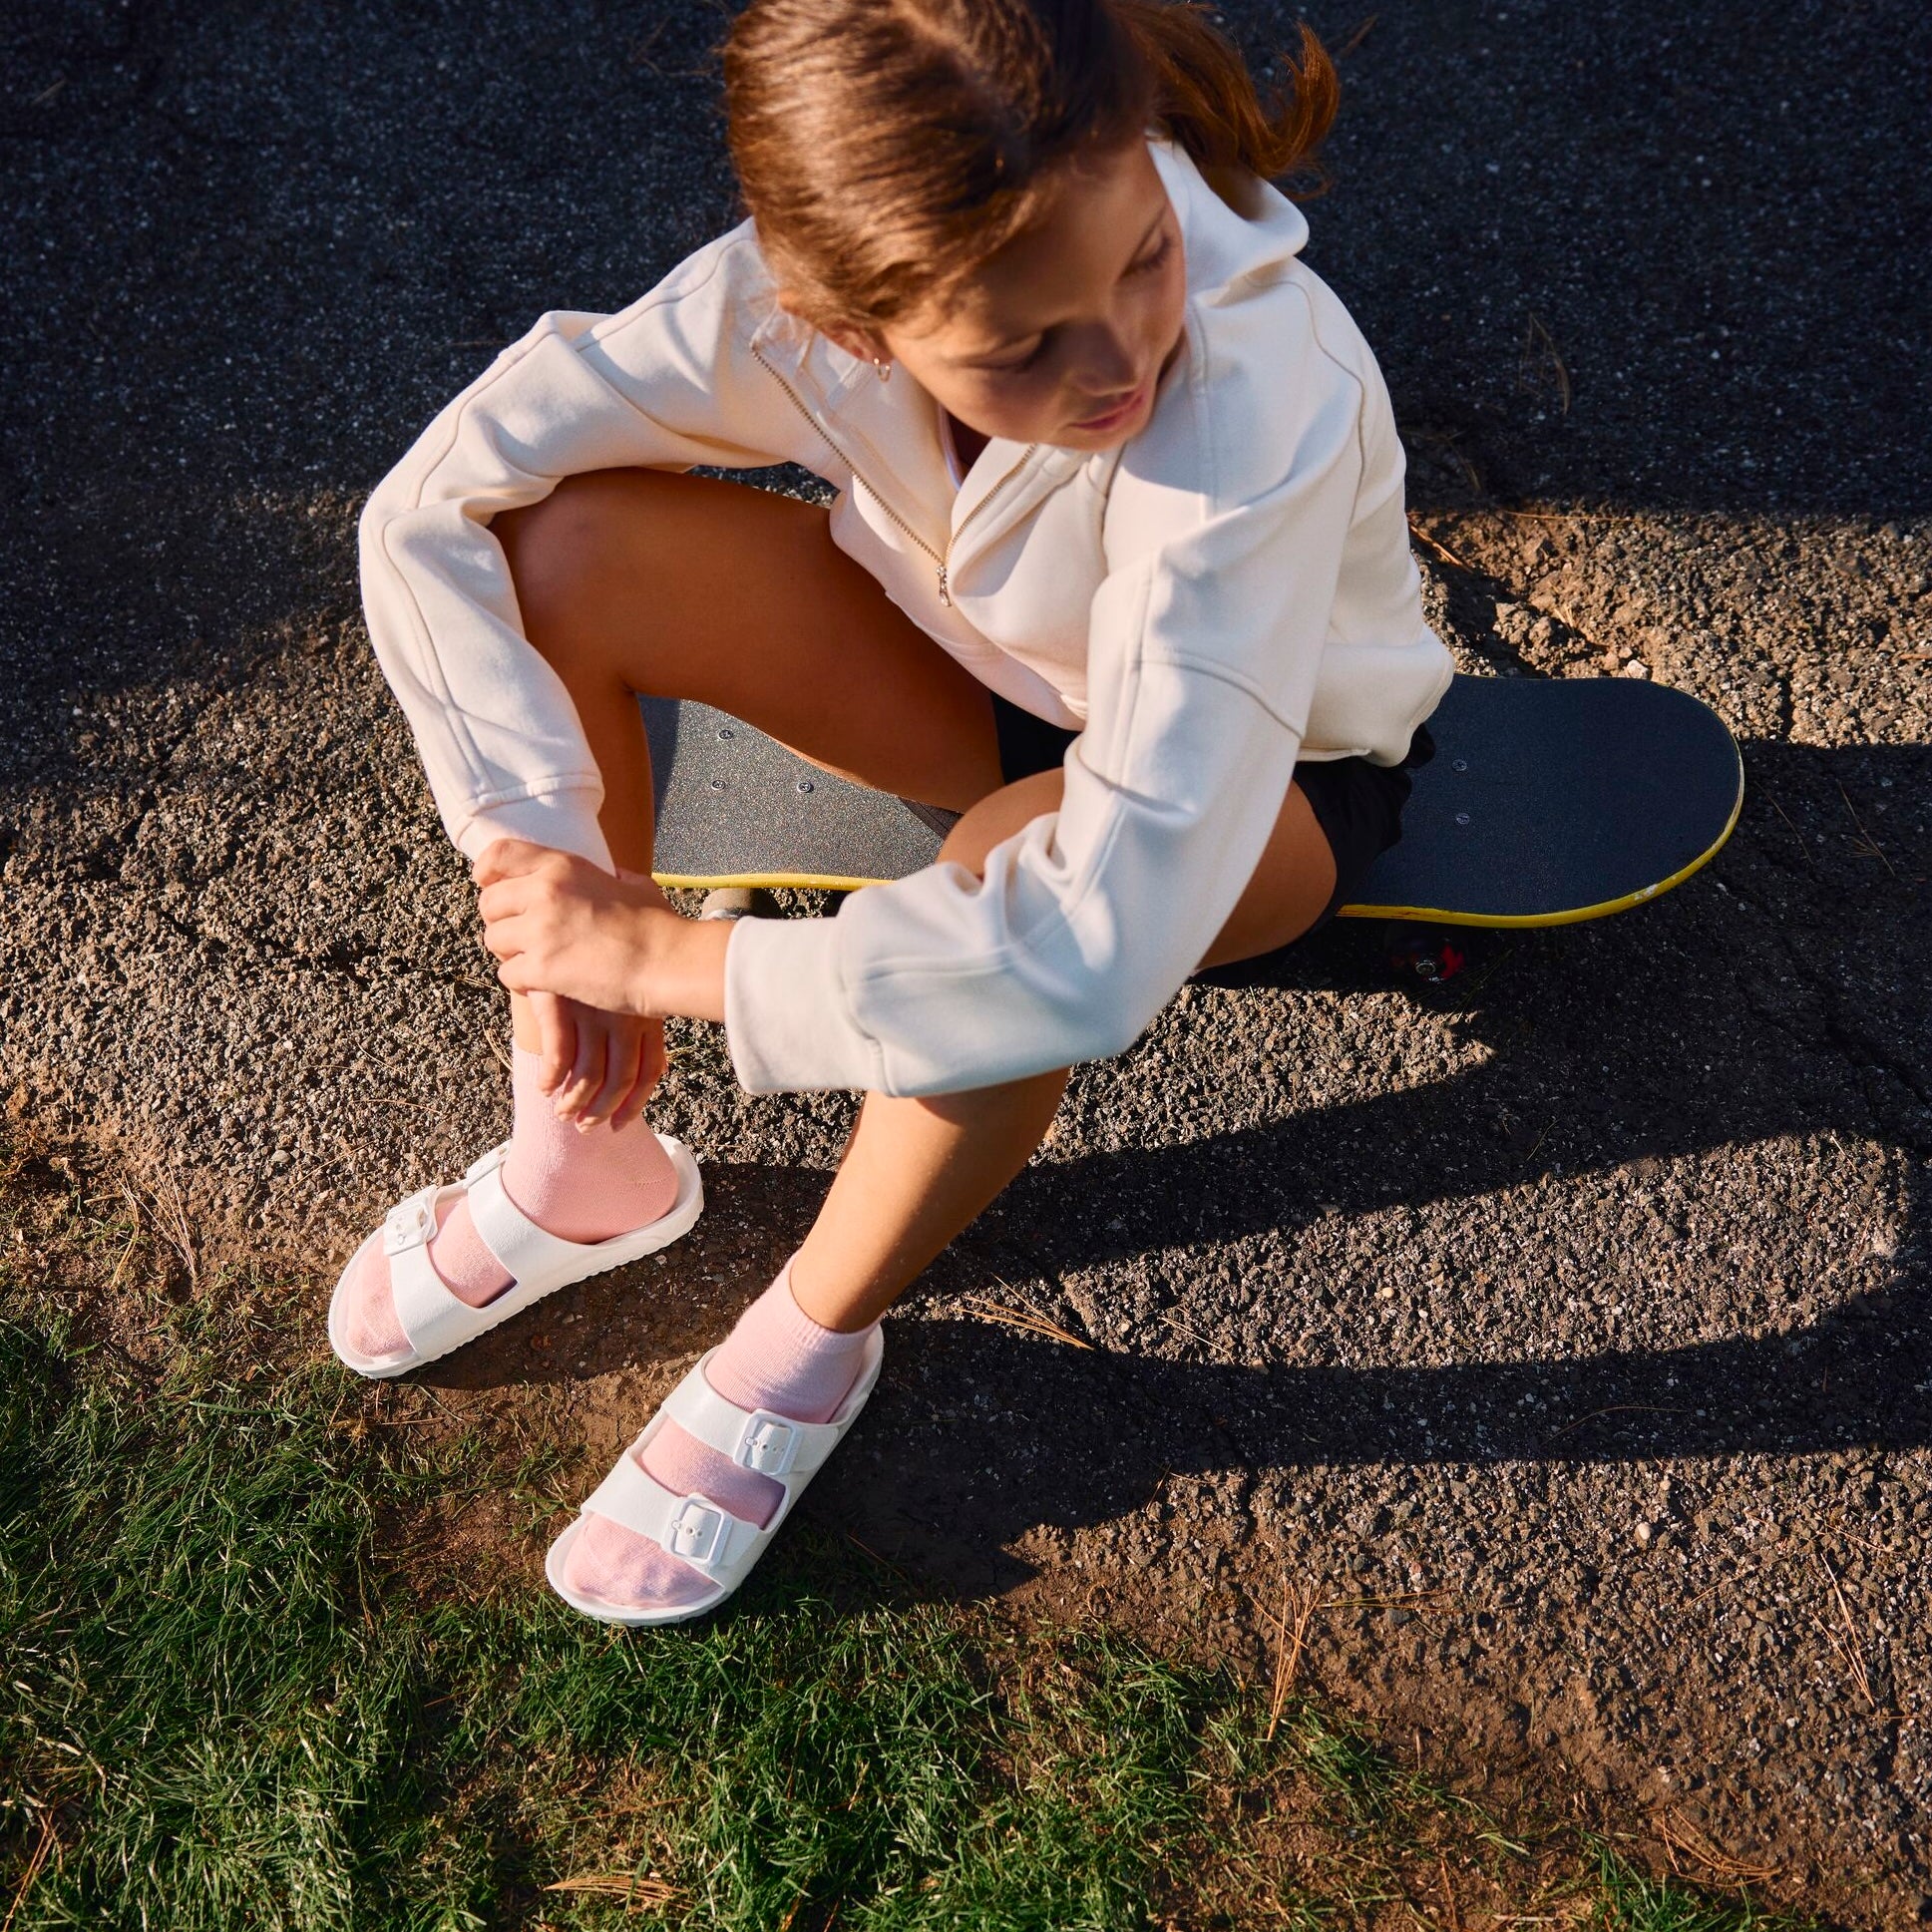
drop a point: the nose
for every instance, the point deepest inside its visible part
(1107, 367)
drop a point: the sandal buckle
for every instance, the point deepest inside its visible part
(768, 1445)
(409, 1226)
(697, 1531)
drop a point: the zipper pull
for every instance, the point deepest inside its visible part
(946, 596)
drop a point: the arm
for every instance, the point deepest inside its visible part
(667, 383)
(1086, 922)
(1206, 646)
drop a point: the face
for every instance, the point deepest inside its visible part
(1062, 335)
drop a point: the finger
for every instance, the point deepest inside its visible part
(555, 1029)
(651, 1069)
(587, 1071)
(503, 900)
(506, 859)
(619, 1073)
(632, 1106)
(505, 937)
(517, 975)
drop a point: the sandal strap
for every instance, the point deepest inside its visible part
(524, 1252)
(692, 1528)
(431, 1317)
(759, 1439)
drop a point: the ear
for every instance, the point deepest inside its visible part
(860, 344)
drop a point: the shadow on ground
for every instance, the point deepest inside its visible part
(1676, 1068)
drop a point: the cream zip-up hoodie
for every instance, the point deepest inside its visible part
(1229, 591)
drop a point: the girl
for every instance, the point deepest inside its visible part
(1117, 571)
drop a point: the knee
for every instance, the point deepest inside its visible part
(967, 845)
(998, 817)
(558, 551)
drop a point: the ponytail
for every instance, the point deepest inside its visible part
(1208, 102)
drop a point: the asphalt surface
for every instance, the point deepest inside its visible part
(1565, 1331)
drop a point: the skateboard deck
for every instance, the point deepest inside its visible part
(1548, 801)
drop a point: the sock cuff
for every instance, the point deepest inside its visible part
(778, 1356)
(797, 1325)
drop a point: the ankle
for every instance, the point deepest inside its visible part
(826, 1299)
(778, 1357)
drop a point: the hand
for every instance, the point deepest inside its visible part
(561, 925)
(596, 1066)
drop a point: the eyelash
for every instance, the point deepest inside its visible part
(1144, 268)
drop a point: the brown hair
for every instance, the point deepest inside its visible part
(884, 147)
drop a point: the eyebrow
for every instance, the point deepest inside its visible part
(1006, 341)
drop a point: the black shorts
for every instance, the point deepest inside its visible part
(1358, 805)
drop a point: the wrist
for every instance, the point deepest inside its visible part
(682, 967)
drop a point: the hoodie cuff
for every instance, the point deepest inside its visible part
(786, 1015)
(567, 821)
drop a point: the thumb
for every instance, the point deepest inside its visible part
(505, 859)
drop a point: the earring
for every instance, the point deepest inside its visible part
(885, 369)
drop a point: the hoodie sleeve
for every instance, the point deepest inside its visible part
(666, 384)
(1205, 640)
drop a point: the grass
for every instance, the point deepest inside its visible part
(225, 1705)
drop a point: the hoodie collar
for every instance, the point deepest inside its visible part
(1226, 248)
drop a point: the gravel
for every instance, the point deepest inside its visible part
(1566, 1330)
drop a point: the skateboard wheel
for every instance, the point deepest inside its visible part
(728, 901)
(1419, 955)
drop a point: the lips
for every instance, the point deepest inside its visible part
(1117, 415)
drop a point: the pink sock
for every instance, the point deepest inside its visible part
(578, 1187)
(777, 1358)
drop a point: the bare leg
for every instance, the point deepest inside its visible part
(916, 1171)
(641, 580)
(635, 580)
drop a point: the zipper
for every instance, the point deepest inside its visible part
(942, 558)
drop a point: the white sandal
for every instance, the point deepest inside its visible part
(538, 1263)
(693, 1528)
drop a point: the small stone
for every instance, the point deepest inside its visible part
(1642, 1533)
(1637, 669)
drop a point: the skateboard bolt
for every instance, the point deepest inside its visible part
(1462, 818)
(725, 731)
(804, 784)
(1458, 764)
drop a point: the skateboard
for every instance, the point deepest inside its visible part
(1548, 801)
